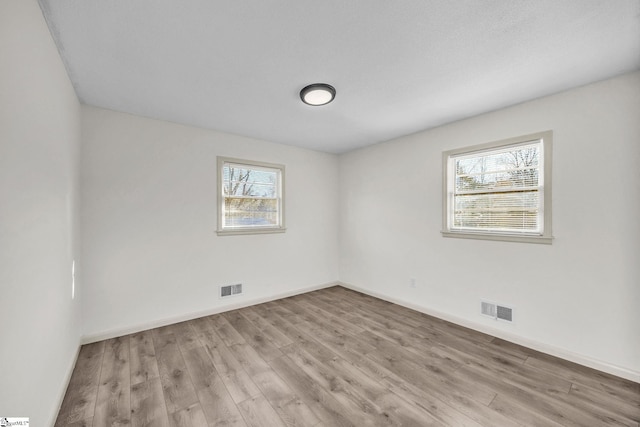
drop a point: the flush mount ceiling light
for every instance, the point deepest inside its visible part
(318, 94)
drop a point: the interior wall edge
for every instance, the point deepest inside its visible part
(65, 384)
(113, 333)
(619, 371)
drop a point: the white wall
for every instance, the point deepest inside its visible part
(578, 297)
(39, 137)
(150, 249)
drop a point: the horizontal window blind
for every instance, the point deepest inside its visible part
(498, 190)
(251, 196)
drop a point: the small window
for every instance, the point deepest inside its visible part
(249, 197)
(500, 190)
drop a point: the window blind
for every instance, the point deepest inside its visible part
(498, 190)
(251, 196)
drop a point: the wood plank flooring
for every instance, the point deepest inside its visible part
(334, 357)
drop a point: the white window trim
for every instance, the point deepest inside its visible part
(546, 237)
(249, 230)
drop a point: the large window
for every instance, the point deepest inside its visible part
(500, 190)
(249, 197)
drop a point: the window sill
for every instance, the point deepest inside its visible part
(250, 231)
(545, 240)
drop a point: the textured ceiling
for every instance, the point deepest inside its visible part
(398, 66)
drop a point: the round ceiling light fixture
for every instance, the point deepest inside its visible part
(318, 94)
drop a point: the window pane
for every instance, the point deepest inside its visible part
(247, 212)
(515, 167)
(251, 196)
(497, 211)
(251, 190)
(249, 182)
(497, 190)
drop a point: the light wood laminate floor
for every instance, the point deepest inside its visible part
(334, 357)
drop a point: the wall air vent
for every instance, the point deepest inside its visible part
(496, 311)
(230, 290)
(505, 313)
(488, 309)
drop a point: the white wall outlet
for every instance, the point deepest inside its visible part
(412, 282)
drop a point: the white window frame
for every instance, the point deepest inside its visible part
(249, 164)
(448, 157)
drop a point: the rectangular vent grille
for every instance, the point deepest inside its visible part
(505, 313)
(495, 311)
(230, 290)
(488, 309)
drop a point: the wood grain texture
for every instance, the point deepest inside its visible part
(177, 387)
(113, 404)
(193, 416)
(143, 364)
(147, 404)
(334, 357)
(325, 406)
(218, 406)
(252, 335)
(239, 384)
(82, 423)
(258, 412)
(79, 402)
(278, 393)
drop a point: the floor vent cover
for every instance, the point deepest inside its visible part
(230, 290)
(495, 311)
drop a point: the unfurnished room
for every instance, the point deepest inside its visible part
(320, 213)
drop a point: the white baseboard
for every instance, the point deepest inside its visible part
(118, 332)
(562, 353)
(65, 386)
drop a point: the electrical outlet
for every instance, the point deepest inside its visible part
(412, 283)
